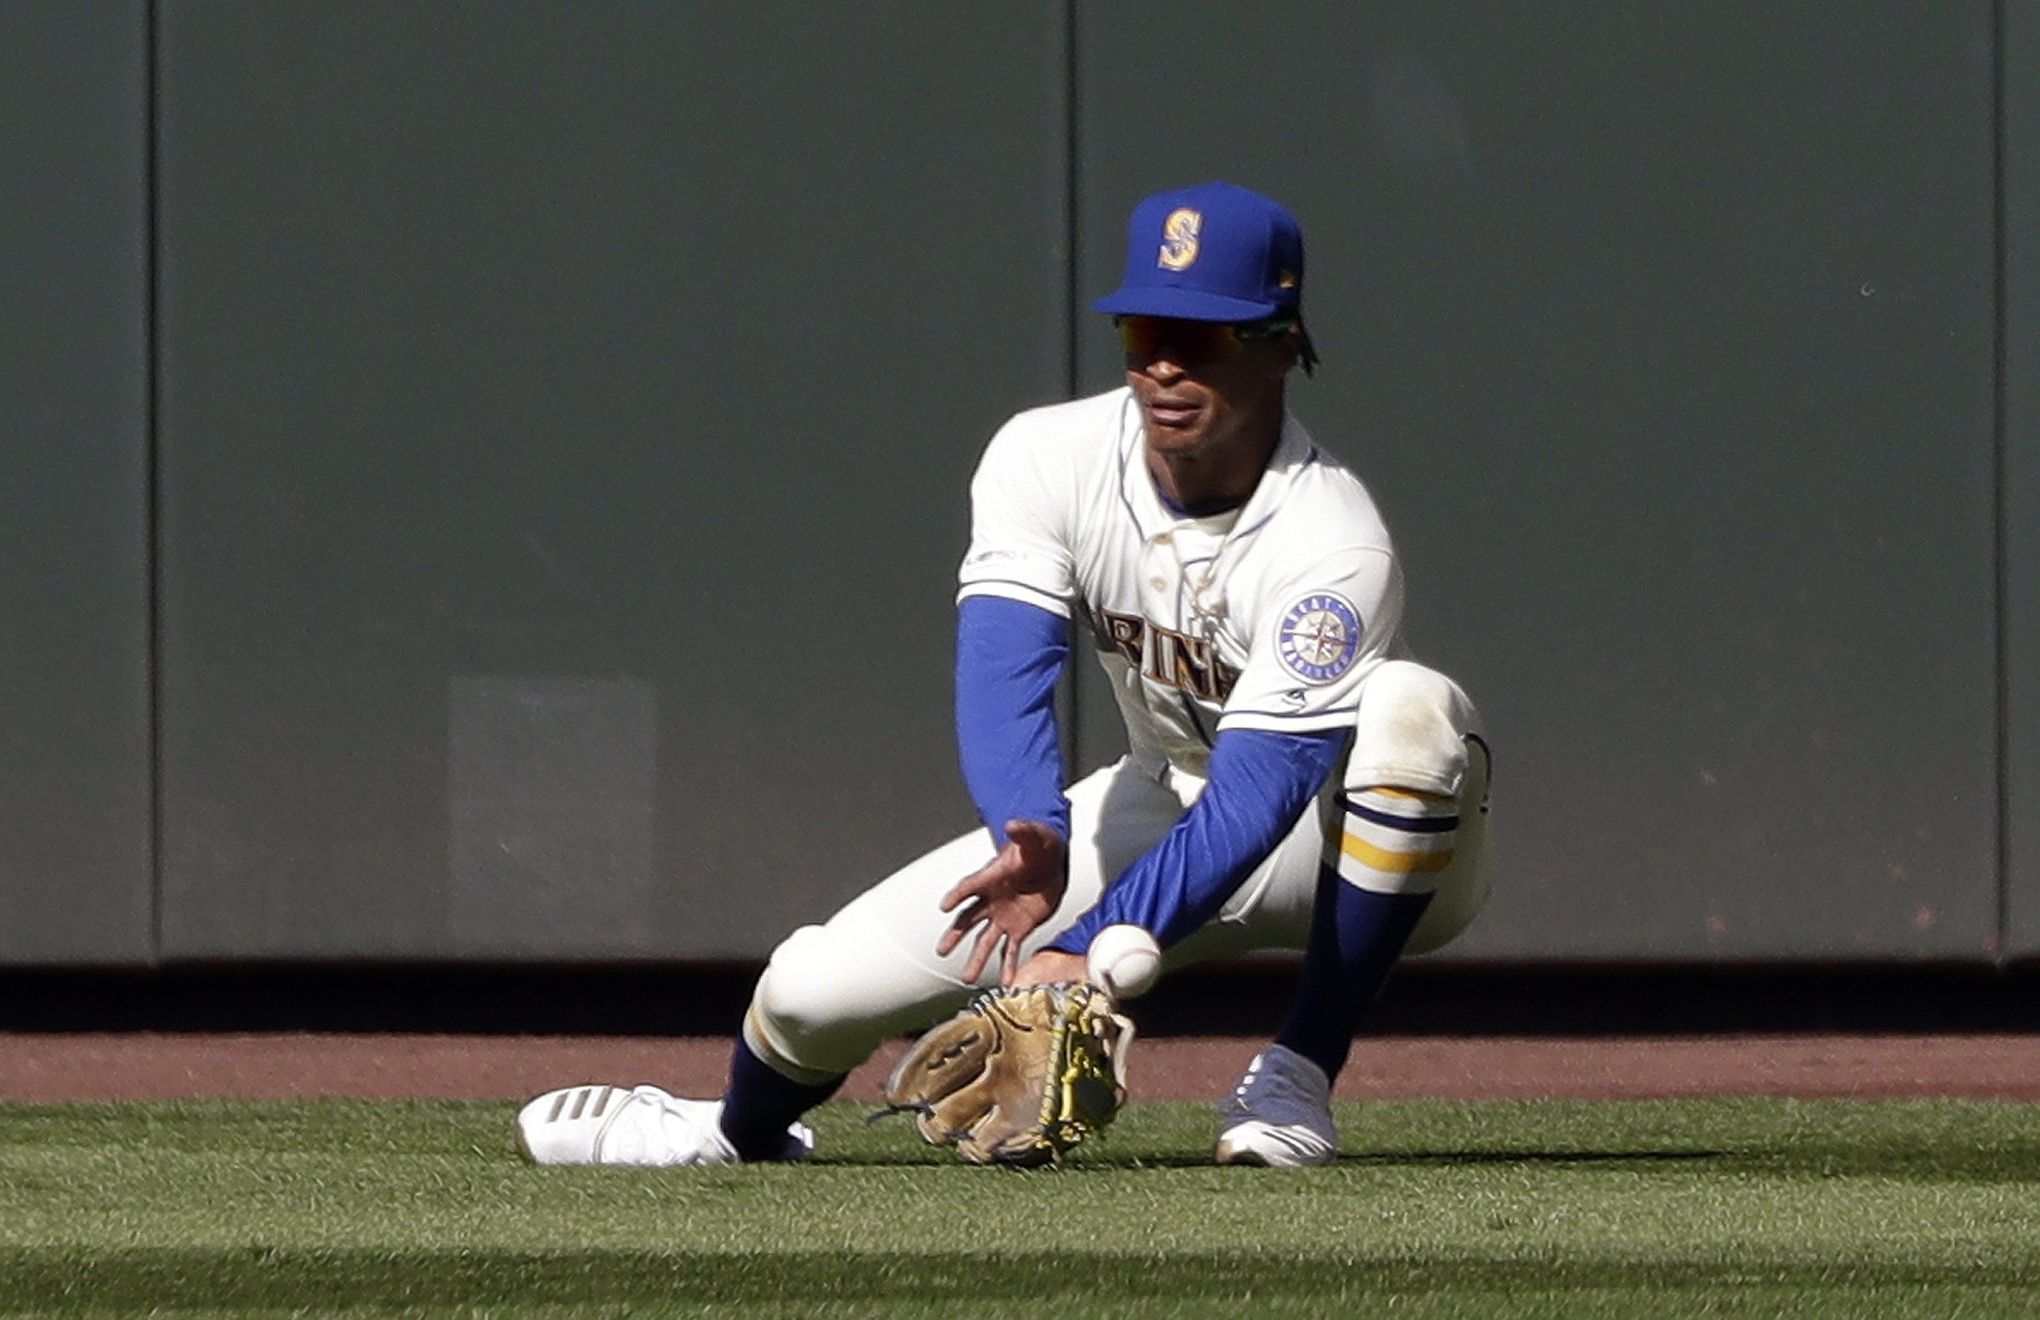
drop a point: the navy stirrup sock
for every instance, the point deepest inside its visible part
(762, 1102)
(1355, 937)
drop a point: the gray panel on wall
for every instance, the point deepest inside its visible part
(567, 417)
(1663, 336)
(2021, 119)
(75, 851)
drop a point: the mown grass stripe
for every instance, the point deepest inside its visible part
(1521, 1209)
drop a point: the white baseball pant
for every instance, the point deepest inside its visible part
(832, 993)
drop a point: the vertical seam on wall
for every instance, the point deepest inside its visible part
(1071, 275)
(2001, 524)
(1072, 745)
(152, 465)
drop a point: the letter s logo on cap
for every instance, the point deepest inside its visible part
(1179, 239)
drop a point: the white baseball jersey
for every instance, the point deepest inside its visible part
(1267, 616)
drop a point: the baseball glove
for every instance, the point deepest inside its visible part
(1019, 1076)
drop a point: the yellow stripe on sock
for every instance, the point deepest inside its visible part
(1415, 795)
(1393, 862)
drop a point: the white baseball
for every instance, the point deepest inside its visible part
(1125, 960)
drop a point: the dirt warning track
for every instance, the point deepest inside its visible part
(52, 1066)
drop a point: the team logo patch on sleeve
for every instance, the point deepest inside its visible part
(1320, 637)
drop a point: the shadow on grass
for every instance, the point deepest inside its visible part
(45, 1281)
(1553, 1157)
(1981, 1165)
(1106, 1162)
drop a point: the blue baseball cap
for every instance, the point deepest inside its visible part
(1215, 252)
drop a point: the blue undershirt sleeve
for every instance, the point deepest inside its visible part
(1009, 656)
(1259, 784)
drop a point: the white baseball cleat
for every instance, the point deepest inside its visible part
(1280, 1114)
(642, 1126)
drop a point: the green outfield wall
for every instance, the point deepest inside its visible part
(76, 833)
(487, 479)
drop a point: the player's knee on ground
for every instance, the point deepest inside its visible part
(831, 994)
(795, 1023)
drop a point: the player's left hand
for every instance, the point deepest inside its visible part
(1019, 1076)
(1007, 898)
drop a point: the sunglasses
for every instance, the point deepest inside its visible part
(1194, 341)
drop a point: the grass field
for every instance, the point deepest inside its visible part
(1552, 1209)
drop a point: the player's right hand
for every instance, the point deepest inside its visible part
(1007, 898)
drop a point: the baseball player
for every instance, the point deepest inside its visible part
(1295, 781)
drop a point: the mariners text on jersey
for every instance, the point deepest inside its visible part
(1185, 663)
